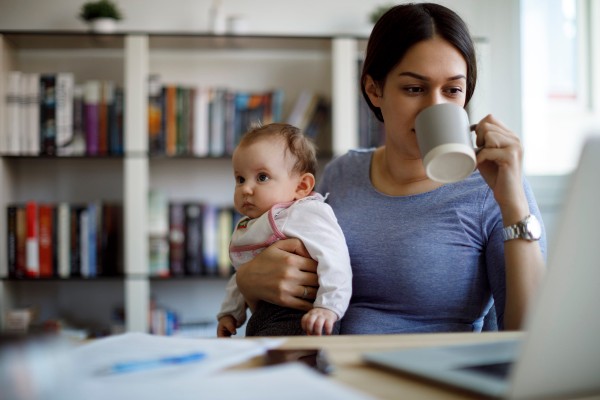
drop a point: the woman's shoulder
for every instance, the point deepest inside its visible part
(352, 161)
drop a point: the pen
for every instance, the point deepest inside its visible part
(143, 365)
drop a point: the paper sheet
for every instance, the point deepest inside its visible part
(203, 380)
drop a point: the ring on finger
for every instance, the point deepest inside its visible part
(305, 292)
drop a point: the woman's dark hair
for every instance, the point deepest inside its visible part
(405, 25)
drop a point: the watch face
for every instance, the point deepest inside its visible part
(534, 228)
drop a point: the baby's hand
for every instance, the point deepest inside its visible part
(227, 326)
(318, 320)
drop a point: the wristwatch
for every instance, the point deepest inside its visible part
(528, 228)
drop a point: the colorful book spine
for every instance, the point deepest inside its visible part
(32, 237)
(176, 239)
(46, 240)
(107, 95)
(65, 83)
(193, 238)
(32, 104)
(210, 246)
(91, 100)
(11, 142)
(11, 235)
(115, 112)
(155, 111)
(64, 240)
(48, 114)
(171, 119)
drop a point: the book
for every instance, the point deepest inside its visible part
(11, 143)
(21, 242)
(32, 105)
(46, 240)
(216, 116)
(158, 247)
(303, 109)
(48, 114)
(156, 134)
(110, 244)
(91, 101)
(76, 144)
(105, 109)
(75, 234)
(115, 112)
(182, 118)
(93, 217)
(32, 263)
(63, 245)
(84, 244)
(170, 96)
(65, 83)
(158, 213)
(193, 238)
(225, 229)
(201, 122)
(176, 238)
(210, 246)
(11, 236)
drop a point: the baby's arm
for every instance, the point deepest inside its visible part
(233, 310)
(227, 326)
(315, 224)
(318, 321)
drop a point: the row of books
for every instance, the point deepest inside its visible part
(204, 121)
(189, 238)
(47, 240)
(209, 121)
(49, 114)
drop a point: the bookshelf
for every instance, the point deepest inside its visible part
(324, 64)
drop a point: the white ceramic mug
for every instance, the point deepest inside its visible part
(445, 140)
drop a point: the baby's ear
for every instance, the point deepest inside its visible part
(305, 185)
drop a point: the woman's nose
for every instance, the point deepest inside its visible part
(435, 98)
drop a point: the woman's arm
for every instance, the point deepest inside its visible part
(500, 164)
(279, 275)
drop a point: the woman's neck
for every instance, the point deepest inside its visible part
(395, 175)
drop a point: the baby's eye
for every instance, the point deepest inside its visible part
(239, 180)
(262, 177)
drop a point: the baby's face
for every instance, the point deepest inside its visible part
(263, 178)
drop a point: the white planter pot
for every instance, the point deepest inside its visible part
(103, 25)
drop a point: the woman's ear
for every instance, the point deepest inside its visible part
(373, 91)
(305, 186)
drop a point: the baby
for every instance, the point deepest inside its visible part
(274, 169)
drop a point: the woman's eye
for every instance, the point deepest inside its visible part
(455, 90)
(263, 177)
(413, 89)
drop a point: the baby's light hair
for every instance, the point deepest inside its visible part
(299, 146)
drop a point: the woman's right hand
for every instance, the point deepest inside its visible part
(279, 275)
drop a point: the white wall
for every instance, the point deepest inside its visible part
(495, 20)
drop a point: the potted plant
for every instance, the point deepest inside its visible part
(101, 15)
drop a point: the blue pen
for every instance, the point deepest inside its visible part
(143, 365)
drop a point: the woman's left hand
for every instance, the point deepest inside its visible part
(500, 164)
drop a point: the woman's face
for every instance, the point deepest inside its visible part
(431, 72)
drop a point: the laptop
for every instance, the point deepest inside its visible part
(559, 355)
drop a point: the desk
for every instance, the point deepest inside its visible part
(345, 354)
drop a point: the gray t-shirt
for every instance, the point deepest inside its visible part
(432, 262)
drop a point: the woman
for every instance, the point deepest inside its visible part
(426, 257)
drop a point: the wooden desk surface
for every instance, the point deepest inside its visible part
(345, 354)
